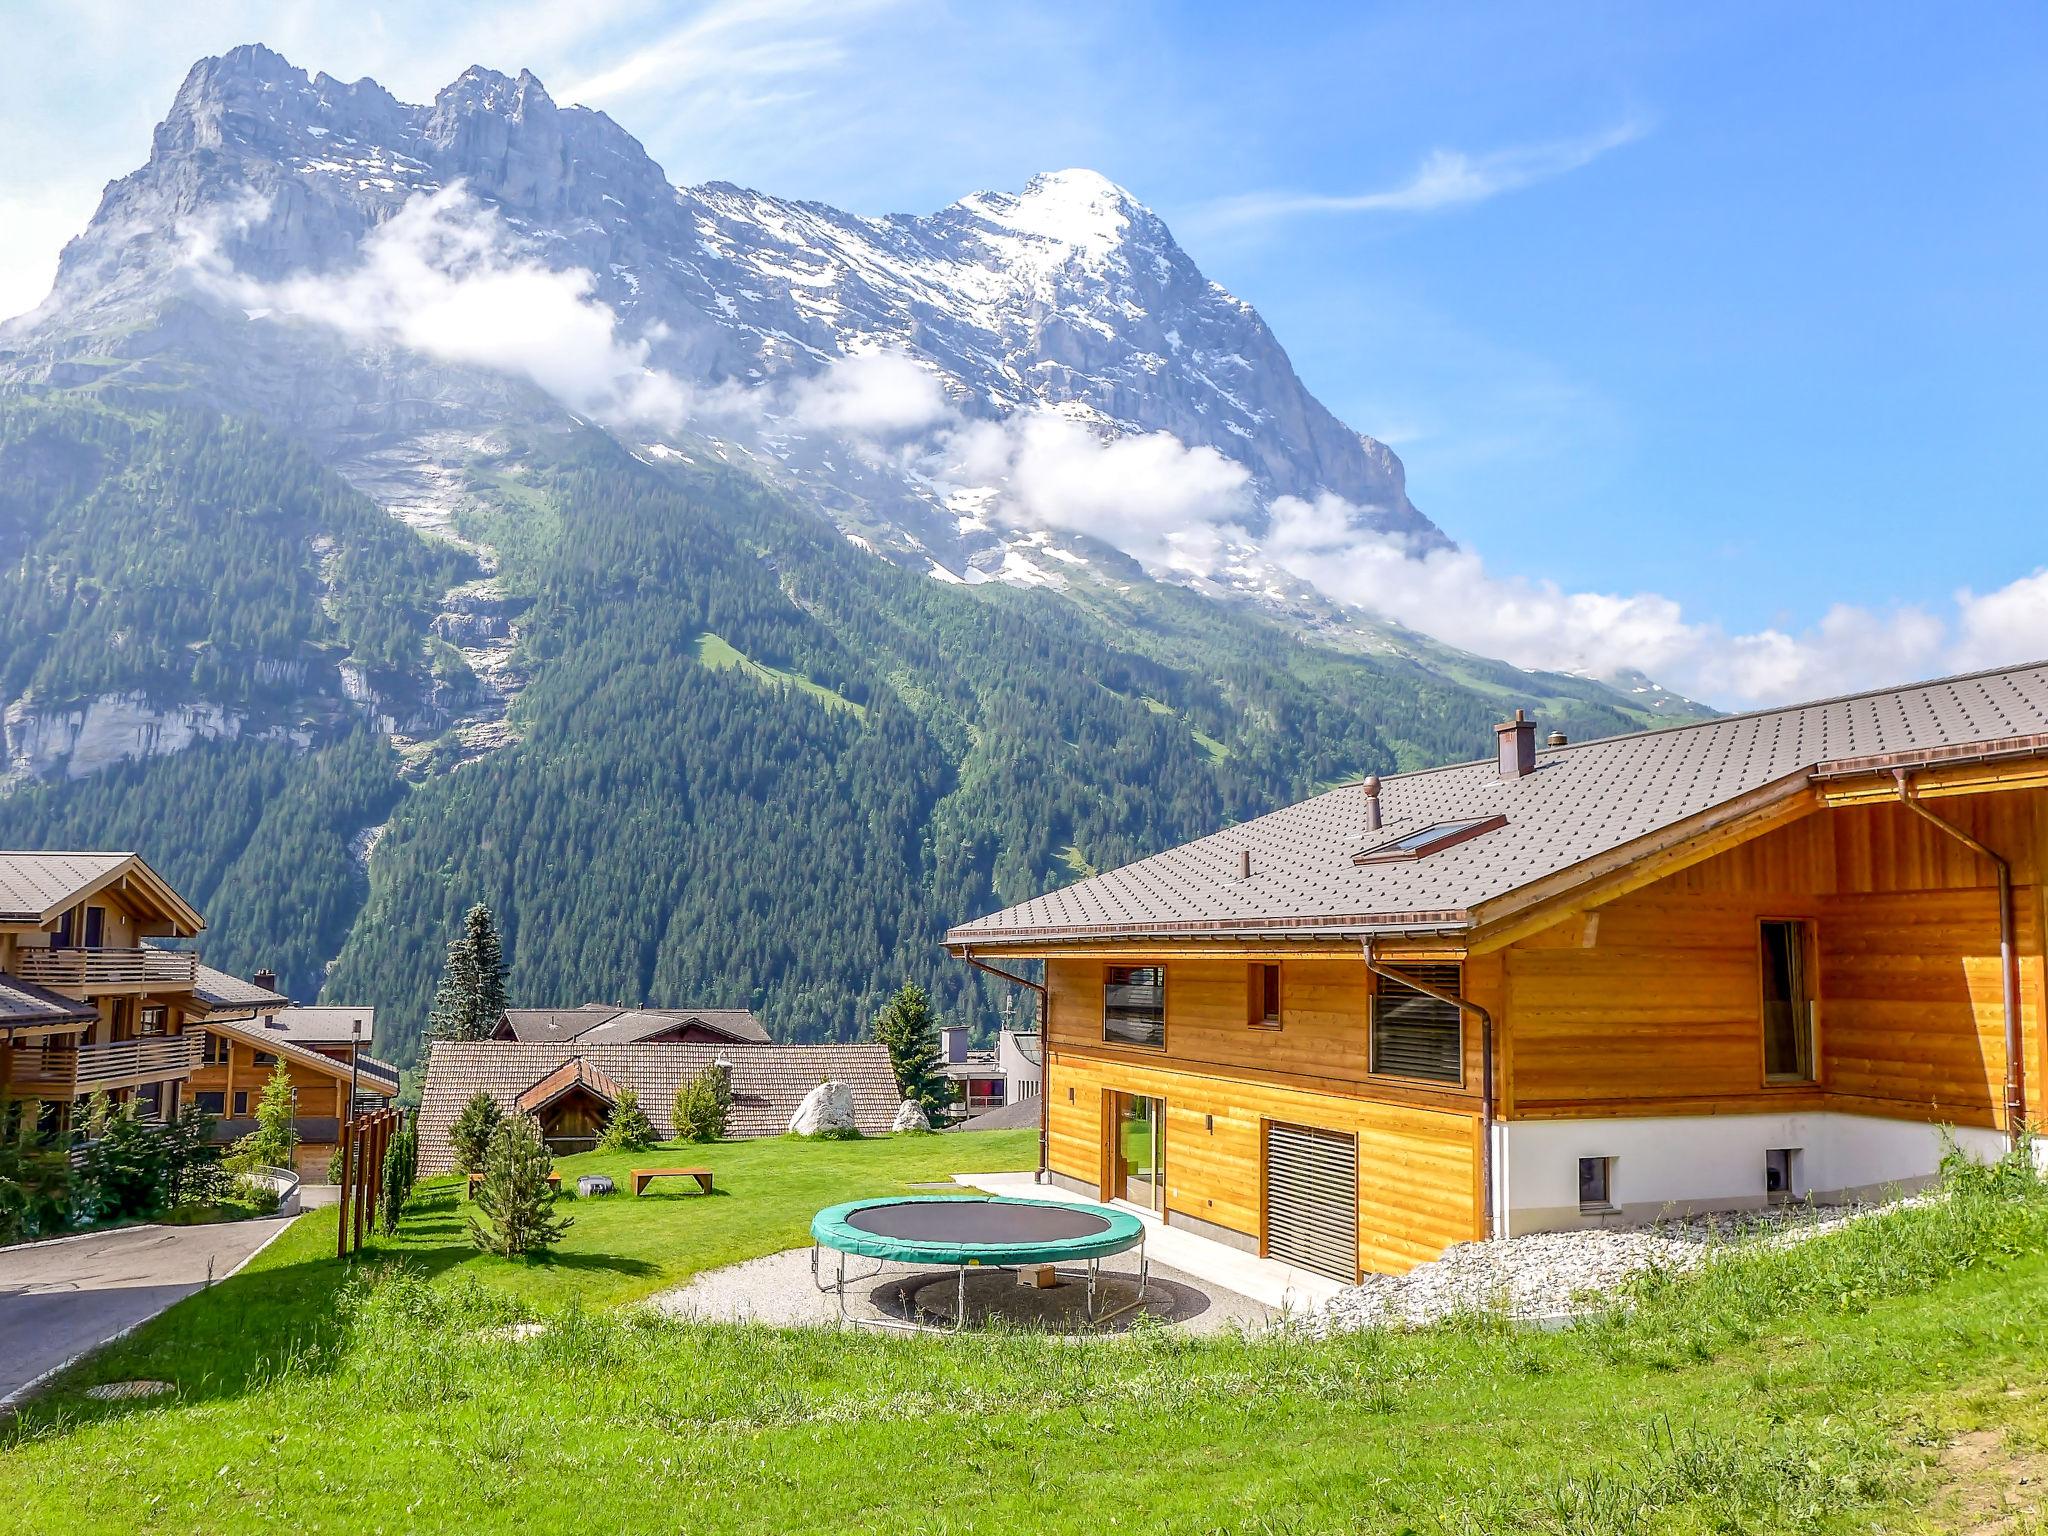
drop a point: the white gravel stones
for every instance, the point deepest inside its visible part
(1554, 1275)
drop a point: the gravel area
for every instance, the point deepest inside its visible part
(1556, 1275)
(778, 1291)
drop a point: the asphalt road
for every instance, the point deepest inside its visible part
(61, 1299)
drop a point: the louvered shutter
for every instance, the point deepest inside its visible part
(1312, 1199)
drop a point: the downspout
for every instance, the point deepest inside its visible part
(1463, 1005)
(2008, 961)
(1044, 1174)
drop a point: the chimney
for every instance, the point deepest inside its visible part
(1244, 863)
(267, 980)
(1371, 786)
(1557, 739)
(955, 1042)
(1517, 746)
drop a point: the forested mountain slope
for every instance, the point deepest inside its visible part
(752, 764)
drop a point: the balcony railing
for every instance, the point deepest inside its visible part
(67, 1071)
(86, 970)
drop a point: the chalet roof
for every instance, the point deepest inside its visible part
(768, 1082)
(323, 1025)
(606, 1022)
(25, 1005)
(372, 1074)
(576, 1072)
(228, 994)
(35, 886)
(1581, 802)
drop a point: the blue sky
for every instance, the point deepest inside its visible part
(1738, 304)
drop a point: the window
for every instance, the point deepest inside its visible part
(95, 927)
(265, 1058)
(211, 1103)
(152, 1022)
(1787, 1002)
(1414, 1034)
(1427, 840)
(1262, 997)
(1781, 1173)
(1134, 1005)
(1596, 1185)
(241, 1103)
(61, 939)
(216, 1050)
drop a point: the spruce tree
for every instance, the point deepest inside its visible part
(909, 1028)
(628, 1129)
(471, 993)
(704, 1105)
(401, 1167)
(515, 1204)
(271, 1144)
(471, 1134)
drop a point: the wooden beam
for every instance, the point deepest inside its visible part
(1936, 783)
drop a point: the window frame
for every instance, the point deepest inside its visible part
(1453, 831)
(1255, 1015)
(1135, 1045)
(1607, 1203)
(1809, 965)
(1372, 1002)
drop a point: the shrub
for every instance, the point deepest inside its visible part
(35, 1184)
(515, 1201)
(193, 1170)
(401, 1167)
(126, 1173)
(704, 1105)
(473, 1130)
(628, 1129)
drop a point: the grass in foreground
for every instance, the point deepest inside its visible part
(1817, 1388)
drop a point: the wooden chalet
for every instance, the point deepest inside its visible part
(1705, 967)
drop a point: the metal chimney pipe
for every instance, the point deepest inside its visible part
(1371, 786)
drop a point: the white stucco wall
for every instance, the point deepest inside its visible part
(1675, 1163)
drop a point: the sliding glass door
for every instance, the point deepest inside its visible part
(1138, 1152)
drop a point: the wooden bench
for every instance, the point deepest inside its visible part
(554, 1182)
(642, 1177)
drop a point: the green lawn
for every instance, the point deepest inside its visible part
(1820, 1388)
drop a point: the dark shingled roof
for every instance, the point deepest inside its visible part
(223, 993)
(1582, 801)
(23, 1004)
(768, 1082)
(612, 1025)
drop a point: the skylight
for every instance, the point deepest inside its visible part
(1427, 840)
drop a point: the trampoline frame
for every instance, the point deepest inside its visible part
(827, 1222)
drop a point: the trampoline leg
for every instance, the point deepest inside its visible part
(960, 1302)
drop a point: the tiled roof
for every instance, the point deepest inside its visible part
(324, 1025)
(223, 992)
(32, 884)
(24, 1003)
(577, 1071)
(621, 1026)
(768, 1082)
(1582, 801)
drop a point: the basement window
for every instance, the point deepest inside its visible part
(1596, 1185)
(1430, 839)
(1781, 1173)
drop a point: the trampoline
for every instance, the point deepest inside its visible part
(973, 1232)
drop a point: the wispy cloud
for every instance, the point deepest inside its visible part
(1447, 178)
(729, 41)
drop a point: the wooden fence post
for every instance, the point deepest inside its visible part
(347, 1176)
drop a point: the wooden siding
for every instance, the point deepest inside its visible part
(1221, 1079)
(1651, 1003)
(318, 1094)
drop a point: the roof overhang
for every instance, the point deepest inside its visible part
(134, 879)
(256, 1037)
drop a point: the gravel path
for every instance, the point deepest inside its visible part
(1549, 1275)
(778, 1291)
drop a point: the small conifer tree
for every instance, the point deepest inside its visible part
(628, 1129)
(270, 1145)
(704, 1105)
(401, 1167)
(472, 1131)
(471, 993)
(515, 1205)
(909, 1028)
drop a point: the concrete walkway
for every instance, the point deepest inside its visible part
(1282, 1287)
(64, 1298)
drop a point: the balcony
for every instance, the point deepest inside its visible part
(58, 1071)
(85, 971)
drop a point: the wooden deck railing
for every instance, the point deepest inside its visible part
(68, 1071)
(79, 970)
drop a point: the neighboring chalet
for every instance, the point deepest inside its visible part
(85, 1003)
(1701, 967)
(991, 1078)
(251, 1030)
(608, 1024)
(572, 1087)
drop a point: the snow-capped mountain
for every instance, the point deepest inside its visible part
(1069, 297)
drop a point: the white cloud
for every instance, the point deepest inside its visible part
(877, 394)
(729, 44)
(1447, 178)
(38, 220)
(446, 277)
